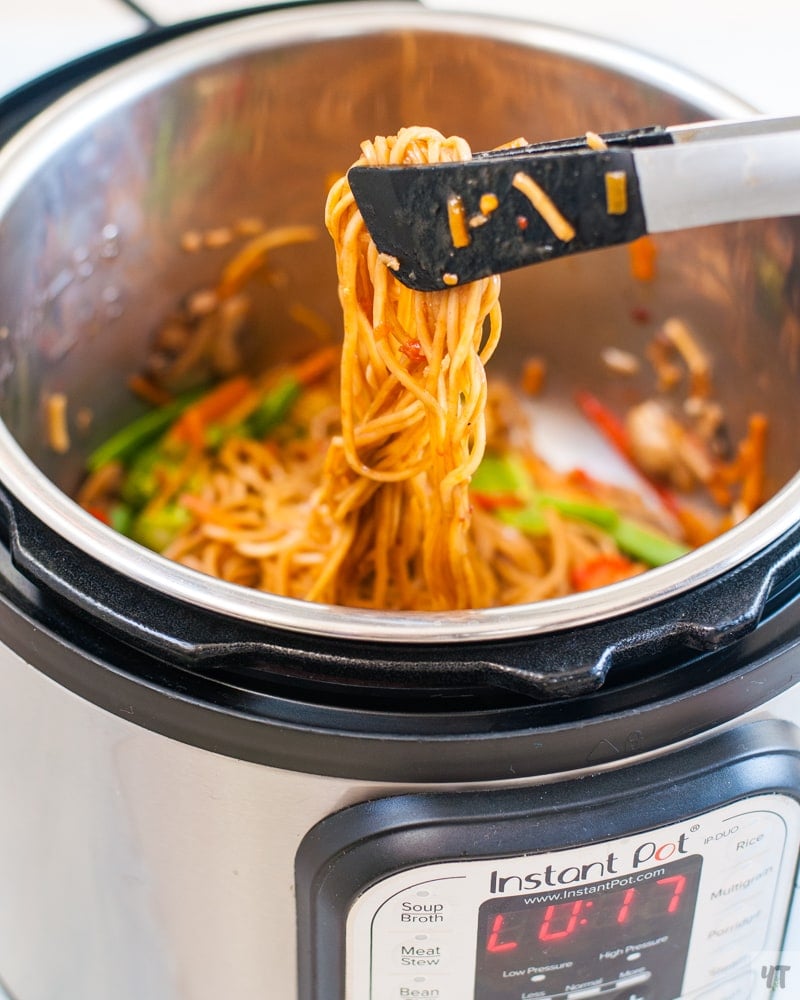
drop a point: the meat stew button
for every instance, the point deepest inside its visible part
(426, 954)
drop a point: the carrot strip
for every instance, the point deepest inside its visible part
(753, 455)
(100, 514)
(315, 365)
(607, 423)
(614, 431)
(495, 501)
(604, 569)
(642, 255)
(746, 470)
(193, 422)
(697, 528)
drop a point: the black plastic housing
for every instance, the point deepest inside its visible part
(357, 847)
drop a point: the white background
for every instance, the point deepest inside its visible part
(751, 48)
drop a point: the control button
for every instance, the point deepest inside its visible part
(607, 989)
(422, 914)
(635, 980)
(424, 907)
(750, 842)
(421, 990)
(738, 923)
(424, 952)
(745, 833)
(741, 988)
(726, 962)
(747, 880)
(631, 982)
(753, 836)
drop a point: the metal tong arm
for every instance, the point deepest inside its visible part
(669, 178)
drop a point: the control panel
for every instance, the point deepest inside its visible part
(686, 910)
(674, 878)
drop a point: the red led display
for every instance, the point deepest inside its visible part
(553, 922)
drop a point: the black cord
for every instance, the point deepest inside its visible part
(132, 5)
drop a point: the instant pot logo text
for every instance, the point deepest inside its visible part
(645, 853)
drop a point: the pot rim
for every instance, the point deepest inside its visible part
(208, 45)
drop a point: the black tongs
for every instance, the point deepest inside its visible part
(445, 224)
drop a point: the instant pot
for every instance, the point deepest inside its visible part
(209, 791)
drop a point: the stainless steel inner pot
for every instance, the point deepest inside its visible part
(254, 118)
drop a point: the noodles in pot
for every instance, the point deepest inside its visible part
(412, 485)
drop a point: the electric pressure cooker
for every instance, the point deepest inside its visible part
(209, 791)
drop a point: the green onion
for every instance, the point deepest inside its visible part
(121, 517)
(273, 408)
(131, 438)
(156, 529)
(647, 546)
(580, 510)
(507, 474)
(528, 519)
(141, 482)
(501, 474)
